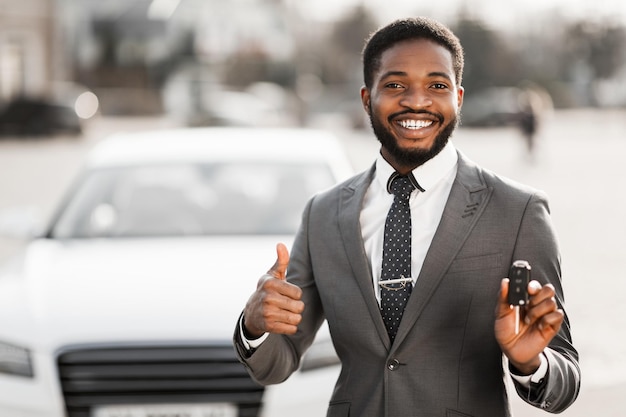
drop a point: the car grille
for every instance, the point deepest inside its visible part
(149, 375)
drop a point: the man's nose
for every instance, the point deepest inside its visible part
(416, 98)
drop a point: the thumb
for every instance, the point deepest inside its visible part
(279, 269)
(503, 307)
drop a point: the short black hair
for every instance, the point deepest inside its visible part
(408, 29)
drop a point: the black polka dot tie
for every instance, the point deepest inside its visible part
(396, 266)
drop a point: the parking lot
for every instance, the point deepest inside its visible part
(578, 163)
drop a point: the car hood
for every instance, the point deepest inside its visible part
(103, 291)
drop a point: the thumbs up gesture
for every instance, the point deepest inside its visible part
(276, 305)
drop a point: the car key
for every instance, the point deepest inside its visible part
(519, 277)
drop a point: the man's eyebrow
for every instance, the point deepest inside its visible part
(393, 74)
(440, 74)
(404, 74)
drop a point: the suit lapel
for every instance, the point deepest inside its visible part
(468, 197)
(351, 201)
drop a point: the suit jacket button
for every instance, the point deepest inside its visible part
(393, 364)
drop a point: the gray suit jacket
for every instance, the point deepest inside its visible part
(445, 360)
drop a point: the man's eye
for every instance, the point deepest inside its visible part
(393, 85)
(440, 86)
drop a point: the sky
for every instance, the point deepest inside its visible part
(500, 14)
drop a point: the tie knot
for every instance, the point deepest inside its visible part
(401, 187)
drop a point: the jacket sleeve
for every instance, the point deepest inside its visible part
(560, 387)
(537, 242)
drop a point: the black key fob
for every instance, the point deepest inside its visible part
(519, 277)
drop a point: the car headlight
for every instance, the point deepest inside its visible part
(15, 360)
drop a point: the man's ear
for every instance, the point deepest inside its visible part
(365, 99)
(460, 95)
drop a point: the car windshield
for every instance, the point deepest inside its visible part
(233, 198)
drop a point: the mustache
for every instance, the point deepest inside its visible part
(437, 116)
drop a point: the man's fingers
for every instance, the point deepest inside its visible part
(279, 269)
(280, 307)
(274, 307)
(282, 321)
(534, 287)
(284, 296)
(552, 322)
(540, 308)
(287, 295)
(540, 293)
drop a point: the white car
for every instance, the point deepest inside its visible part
(126, 305)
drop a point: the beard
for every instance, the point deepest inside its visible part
(411, 157)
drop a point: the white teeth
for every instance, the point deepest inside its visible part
(415, 124)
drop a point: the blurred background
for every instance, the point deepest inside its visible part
(290, 62)
(545, 104)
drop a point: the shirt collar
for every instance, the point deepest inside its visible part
(426, 175)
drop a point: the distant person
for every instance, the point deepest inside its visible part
(406, 262)
(528, 120)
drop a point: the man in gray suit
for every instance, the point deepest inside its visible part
(457, 337)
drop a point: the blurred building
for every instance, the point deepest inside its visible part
(146, 57)
(29, 48)
(130, 45)
(128, 50)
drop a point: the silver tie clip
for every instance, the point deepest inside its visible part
(402, 280)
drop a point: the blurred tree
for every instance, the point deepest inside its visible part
(248, 67)
(609, 52)
(342, 53)
(350, 33)
(489, 61)
(601, 45)
(592, 51)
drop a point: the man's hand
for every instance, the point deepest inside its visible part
(540, 321)
(275, 306)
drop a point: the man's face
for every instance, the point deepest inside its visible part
(413, 102)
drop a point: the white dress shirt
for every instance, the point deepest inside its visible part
(435, 177)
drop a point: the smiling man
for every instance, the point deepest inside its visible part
(413, 100)
(407, 262)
